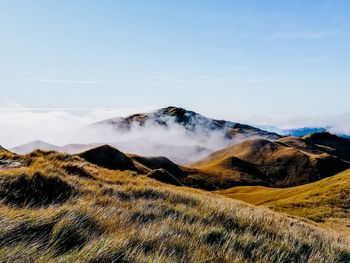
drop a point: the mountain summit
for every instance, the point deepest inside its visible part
(189, 120)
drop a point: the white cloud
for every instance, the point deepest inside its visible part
(337, 123)
(58, 126)
(61, 127)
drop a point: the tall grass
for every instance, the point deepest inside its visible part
(116, 216)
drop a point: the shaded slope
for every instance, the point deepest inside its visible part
(331, 144)
(109, 157)
(160, 162)
(198, 178)
(300, 144)
(163, 176)
(276, 163)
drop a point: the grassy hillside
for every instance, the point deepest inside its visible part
(278, 164)
(61, 208)
(330, 143)
(323, 201)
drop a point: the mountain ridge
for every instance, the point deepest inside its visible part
(190, 120)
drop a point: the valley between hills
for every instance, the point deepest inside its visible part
(262, 197)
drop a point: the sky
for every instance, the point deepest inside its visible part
(225, 59)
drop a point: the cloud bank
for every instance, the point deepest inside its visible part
(61, 127)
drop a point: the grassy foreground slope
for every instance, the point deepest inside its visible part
(324, 200)
(60, 208)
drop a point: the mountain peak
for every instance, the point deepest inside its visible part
(189, 120)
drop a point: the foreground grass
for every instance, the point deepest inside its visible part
(112, 216)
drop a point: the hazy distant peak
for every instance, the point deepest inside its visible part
(34, 145)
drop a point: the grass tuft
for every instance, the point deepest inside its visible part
(34, 191)
(77, 170)
(73, 231)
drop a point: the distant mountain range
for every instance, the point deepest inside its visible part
(44, 146)
(196, 135)
(181, 135)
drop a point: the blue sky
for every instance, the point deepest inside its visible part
(222, 58)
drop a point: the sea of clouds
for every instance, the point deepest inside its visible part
(61, 127)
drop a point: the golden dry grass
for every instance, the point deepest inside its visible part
(321, 201)
(276, 164)
(114, 216)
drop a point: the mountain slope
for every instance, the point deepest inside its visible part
(160, 162)
(324, 201)
(275, 163)
(109, 157)
(189, 120)
(159, 168)
(288, 161)
(331, 144)
(51, 215)
(181, 135)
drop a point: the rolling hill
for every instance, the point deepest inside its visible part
(286, 162)
(61, 208)
(325, 201)
(159, 168)
(289, 161)
(332, 144)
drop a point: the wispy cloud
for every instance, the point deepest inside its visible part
(65, 81)
(308, 35)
